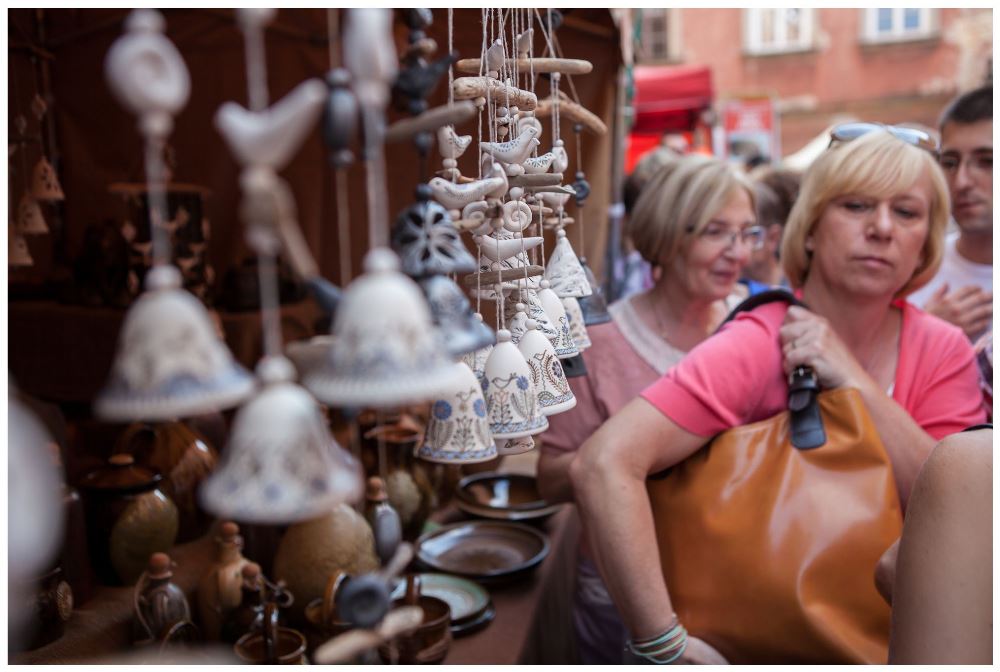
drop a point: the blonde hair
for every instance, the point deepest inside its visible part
(876, 165)
(677, 203)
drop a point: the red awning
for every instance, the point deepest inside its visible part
(670, 98)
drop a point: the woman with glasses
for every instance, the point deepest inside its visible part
(866, 230)
(695, 221)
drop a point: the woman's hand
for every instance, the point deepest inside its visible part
(699, 652)
(808, 340)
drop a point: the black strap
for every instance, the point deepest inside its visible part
(985, 425)
(806, 423)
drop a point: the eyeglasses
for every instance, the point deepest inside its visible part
(752, 236)
(911, 136)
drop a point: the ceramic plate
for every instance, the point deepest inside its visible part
(483, 550)
(509, 492)
(532, 515)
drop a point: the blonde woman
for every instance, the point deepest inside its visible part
(867, 229)
(694, 219)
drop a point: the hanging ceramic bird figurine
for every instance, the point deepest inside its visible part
(417, 80)
(450, 144)
(457, 196)
(494, 59)
(524, 43)
(534, 165)
(513, 151)
(370, 55)
(496, 250)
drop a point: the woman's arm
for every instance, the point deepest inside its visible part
(554, 484)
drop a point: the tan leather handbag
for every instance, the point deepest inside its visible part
(769, 550)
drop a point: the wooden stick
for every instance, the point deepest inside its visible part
(567, 66)
(505, 275)
(537, 180)
(573, 112)
(466, 88)
(536, 208)
(430, 120)
(560, 189)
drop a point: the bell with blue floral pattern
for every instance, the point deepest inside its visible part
(511, 400)
(458, 431)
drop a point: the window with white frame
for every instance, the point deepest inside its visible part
(895, 24)
(776, 31)
(660, 38)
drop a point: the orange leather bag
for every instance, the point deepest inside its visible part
(769, 550)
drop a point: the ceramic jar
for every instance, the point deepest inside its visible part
(430, 642)
(128, 519)
(184, 459)
(158, 604)
(220, 588)
(409, 482)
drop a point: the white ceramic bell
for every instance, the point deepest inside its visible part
(553, 307)
(170, 361)
(18, 254)
(547, 375)
(458, 431)
(281, 464)
(45, 183)
(564, 272)
(532, 306)
(30, 221)
(515, 446)
(511, 401)
(385, 352)
(476, 360)
(577, 327)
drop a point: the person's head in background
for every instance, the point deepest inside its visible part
(675, 142)
(776, 191)
(967, 161)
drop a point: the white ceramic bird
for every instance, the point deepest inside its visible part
(450, 144)
(495, 57)
(271, 136)
(491, 168)
(370, 55)
(496, 250)
(535, 165)
(524, 43)
(457, 196)
(513, 151)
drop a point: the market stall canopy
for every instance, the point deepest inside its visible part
(669, 99)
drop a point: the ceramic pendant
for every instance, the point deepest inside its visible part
(565, 347)
(340, 116)
(511, 402)
(147, 73)
(454, 318)
(45, 183)
(577, 326)
(535, 165)
(547, 375)
(582, 188)
(492, 168)
(170, 361)
(594, 307)
(497, 250)
(495, 59)
(564, 272)
(450, 144)
(428, 243)
(515, 446)
(370, 55)
(513, 151)
(524, 43)
(270, 137)
(457, 196)
(417, 80)
(386, 352)
(516, 216)
(458, 431)
(528, 120)
(383, 519)
(30, 221)
(561, 161)
(555, 201)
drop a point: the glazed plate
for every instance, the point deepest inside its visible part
(483, 550)
(502, 497)
(469, 602)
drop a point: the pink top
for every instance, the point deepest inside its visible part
(736, 377)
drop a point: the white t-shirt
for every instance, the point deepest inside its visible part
(957, 271)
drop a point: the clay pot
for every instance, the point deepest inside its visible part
(158, 605)
(128, 519)
(409, 482)
(274, 645)
(184, 458)
(321, 613)
(430, 642)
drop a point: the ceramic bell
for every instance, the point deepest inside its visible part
(511, 401)
(553, 307)
(454, 318)
(458, 431)
(30, 220)
(476, 360)
(385, 352)
(594, 307)
(515, 446)
(428, 243)
(532, 307)
(577, 327)
(45, 183)
(170, 360)
(281, 464)
(564, 272)
(547, 375)
(18, 255)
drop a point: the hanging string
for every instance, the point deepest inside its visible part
(579, 209)
(340, 173)
(451, 48)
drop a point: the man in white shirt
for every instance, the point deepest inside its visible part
(962, 291)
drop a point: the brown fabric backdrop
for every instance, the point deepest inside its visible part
(98, 142)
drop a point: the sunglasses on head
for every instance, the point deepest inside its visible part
(912, 136)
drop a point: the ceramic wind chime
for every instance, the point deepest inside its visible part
(281, 464)
(170, 361)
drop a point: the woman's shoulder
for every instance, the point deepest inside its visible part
(930, 333)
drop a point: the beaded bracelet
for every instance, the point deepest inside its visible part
(673, 642)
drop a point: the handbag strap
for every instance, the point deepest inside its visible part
(806, 422)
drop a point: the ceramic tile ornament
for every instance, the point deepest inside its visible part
(170, 362)
(458, 431)
(594, 307)
(547, 375)
(454, 318)
(281, 464)
(385, 352)
(577, 326)
(30, 220)
(564, 272)
(511, 401)
(45, 183)
(428, 243)
(553, 307)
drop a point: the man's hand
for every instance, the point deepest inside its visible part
(969, 308)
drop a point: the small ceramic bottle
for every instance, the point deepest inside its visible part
(157, 604)
(383, 519)
(247, 617)
(220, 588)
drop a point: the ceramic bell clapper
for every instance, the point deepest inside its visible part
(383, 519)
(30, 220)
(159, 605)
(554, 395)
(220, 588)
(458, 431)
(577, 326)
(565, 347)
(386, 352)
(170, 362)
(564, 272)
(511, 401)
(594, 307)
(426, 240)
(281, 464)
(45, 183)
(453, 315)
